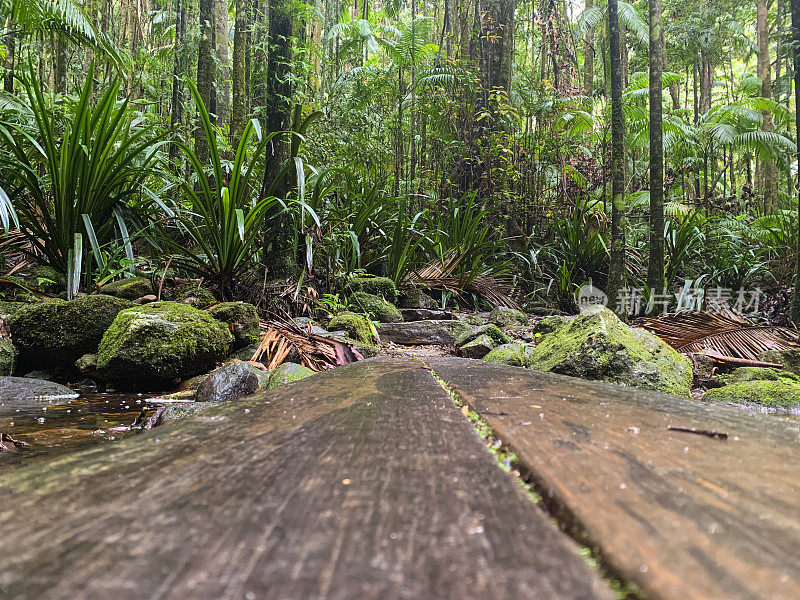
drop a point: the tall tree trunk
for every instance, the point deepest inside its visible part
(223, 61)
(205, 70)
(61, 65)
(498, 33)
(177, 72)
(655, 267)
(588, 57)
(616, 279)
(767, 167)
(794, 311)
(278, 234)
(239, 71)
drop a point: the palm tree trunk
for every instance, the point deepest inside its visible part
(205, 70)
(239, 71)
(588, 57)
(617, 279)
(223, 60)
(655, 268)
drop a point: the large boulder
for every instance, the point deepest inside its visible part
(60, 332)
(597, 345)
(377, 286)
(131, 288)
(231, 382)
(242, 319)
(155, 344)
(23, 391)
(8, 357)
(377, 308)
(422, 333)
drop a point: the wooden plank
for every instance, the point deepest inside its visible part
(684, 515)
(361, 483)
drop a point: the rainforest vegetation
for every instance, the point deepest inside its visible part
(274, 149)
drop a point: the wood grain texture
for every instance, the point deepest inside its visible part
(361, 483)
(683, 515)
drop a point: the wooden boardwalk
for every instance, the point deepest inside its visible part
(368, 483)
(685, 515)
(362, 483)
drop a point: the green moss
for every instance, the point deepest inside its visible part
(14, 288)
(194, 296)
(508, 354)
(377, 308)
(152, 344)
(8, 357)
(415, 298)
(241, 318)
(549, 325)
(355, 326)
(378, 286)
(491, 330)
(131, 288)
(9, 309)
(60, 332)
(743, 374)
(287, 373)
(507, 317)
(778, 394)
(597, 345)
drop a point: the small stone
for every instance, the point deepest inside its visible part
(231, 382)
(288, 373)
(477, 348)
(503, 316)
(148, 299)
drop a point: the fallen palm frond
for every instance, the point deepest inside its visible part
(279, 338)
(725, 334)
(441, 274)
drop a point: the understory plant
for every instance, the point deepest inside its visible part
(71, 174)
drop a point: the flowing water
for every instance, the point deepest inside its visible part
(61, 427)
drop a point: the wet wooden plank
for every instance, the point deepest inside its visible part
(362, 483)
(684, 515)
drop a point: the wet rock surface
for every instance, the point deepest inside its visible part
(231, 382)
(23, 391)
(422, 333)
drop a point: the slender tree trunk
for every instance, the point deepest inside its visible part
(205, 70)
(239, 71)
(223, 61)
(588, 57)
(10, 43)
(794, 311)
(177, 72)
(61, 65)
(655, 268)
(617, 278)
(767, 167)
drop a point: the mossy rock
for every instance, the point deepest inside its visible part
(490, 329)
(415, 298)
(355, 326)
(8, 357)
(48, 279)
(231, 381)
(287, 373)
(743, 374)
(503, 317)
(377, 308)
(597, 345)
(87, 364)
(549, 325)
(790, 359)
(131, 288)
(195, 296)
(477, 348)
(9, 309)
(377, 286)
(241, 318)
(180, 410)
(14, 288)
(776, 394)
(153, 345)
(513, 355)
(60, 332)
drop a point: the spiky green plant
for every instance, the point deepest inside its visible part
(71, 177)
